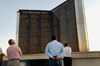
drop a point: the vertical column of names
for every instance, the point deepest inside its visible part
(23, 33)
(45, 30)
(35, 39)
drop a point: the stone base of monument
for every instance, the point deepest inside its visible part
(78, 59)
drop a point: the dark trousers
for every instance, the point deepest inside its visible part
(55, 62)
(67, 61)
(0, 63)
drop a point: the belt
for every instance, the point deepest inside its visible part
(55, 56)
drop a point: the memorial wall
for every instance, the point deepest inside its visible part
(35, 28)
(67, 23)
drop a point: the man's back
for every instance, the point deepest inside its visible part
(13, 52)
(54, 48)
(67, 52)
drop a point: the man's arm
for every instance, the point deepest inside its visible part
(62, 51)
(20, 52)
(47, 51)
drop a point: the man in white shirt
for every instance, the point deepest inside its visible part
(67, 55)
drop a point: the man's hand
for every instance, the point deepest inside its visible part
(53, 58)
(57, 57)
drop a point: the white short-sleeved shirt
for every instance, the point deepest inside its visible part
(67, 52)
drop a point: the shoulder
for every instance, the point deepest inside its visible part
(8, 48)
(16, 47)
(69, 47)
(59, 43)
(49, 43)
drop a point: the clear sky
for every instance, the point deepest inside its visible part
(92, 10)
(8, 18)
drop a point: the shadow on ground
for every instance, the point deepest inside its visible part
(39, 62)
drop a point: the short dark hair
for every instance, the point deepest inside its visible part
(53, 37)
(10, 41)
(66, 44)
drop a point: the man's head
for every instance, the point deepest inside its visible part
(11, 42)
(54, 37)
(66, 44)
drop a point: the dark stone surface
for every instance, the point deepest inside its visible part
(39, 62)
(65, 13)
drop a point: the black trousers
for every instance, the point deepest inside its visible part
(67, 61)
(0, 63)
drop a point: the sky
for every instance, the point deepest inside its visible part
(92, 12)
(8, 18)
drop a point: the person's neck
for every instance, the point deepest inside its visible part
(53, 40)
(12, 45)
